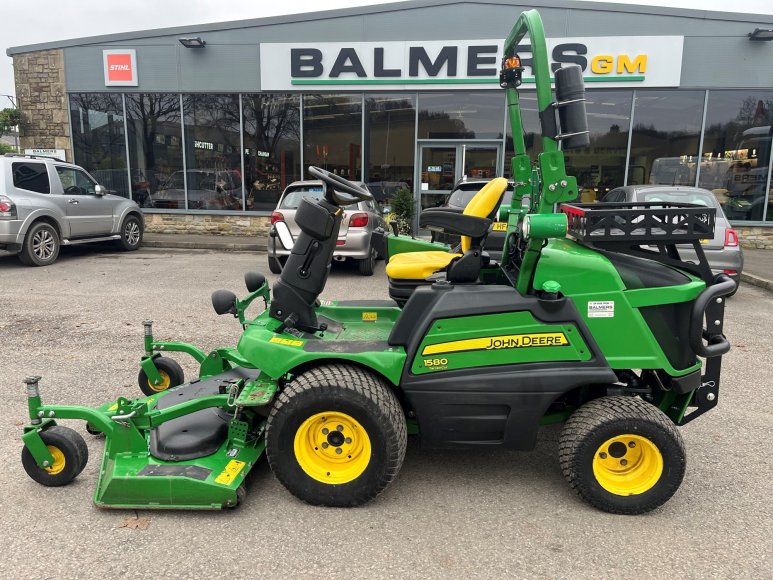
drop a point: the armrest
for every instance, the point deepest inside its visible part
(453, 222)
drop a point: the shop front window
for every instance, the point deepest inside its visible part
(98, 138)
(735, 160)
(532, 133)
(272, 150)
(155, 150)
(666, 133)
(390, 135)
(600, 167)
(332, 134)
(461, 115)
(212, 144)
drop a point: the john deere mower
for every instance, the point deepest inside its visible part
(591, 319)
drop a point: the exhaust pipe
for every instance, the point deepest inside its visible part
(339, 258)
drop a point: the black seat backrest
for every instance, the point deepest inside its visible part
(305, 272)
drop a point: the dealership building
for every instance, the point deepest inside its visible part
(205, 125)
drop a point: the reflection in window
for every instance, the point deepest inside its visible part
(271, 147)
(155, 149)
(332, 133)
(532, 133)
(736, 152)
(666, 133)
(98, 138)
(213, 163)
(390, 131)
(461, 115)
(600, 167)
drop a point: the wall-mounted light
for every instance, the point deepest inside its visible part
(761, 34)
(193, 42)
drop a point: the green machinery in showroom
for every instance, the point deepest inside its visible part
(601, 330)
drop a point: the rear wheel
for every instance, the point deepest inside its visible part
(41, 245)
(336, 436)
(622, 455)
(70, 457)
(368, 265)
(171, 375)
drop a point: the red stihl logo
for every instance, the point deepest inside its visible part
(119, 67)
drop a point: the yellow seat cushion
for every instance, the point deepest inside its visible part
(418, 265)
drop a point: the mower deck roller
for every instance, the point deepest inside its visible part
(592, 319)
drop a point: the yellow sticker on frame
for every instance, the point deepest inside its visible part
(231, 470)
(370, 316)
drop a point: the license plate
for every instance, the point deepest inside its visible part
(499, 227)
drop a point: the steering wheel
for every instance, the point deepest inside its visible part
(73, 190)
(336, 185)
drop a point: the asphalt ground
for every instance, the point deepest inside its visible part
(488, 514)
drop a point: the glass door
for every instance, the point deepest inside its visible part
(442, 166)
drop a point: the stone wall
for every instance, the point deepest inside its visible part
(219, 225)
(755, 237)
(40, 90)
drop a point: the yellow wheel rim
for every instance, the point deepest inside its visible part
(332, 448)
(627, 465)
(164, 385)
(59, 461)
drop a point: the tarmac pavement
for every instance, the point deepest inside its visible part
(488, 514)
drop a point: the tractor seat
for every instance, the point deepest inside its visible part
(411, 269)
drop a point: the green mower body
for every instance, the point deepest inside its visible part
(602, 329)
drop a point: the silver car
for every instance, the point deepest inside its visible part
(723, 251)
(46, 203)
(359, 221)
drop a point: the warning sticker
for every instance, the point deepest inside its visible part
(231, 470)
(370, 316)
(601, 309)
(286, 341)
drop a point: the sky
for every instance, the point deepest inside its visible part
(95, 17)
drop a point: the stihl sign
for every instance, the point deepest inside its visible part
(120, 68)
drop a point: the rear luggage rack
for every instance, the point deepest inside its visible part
(639, 222)
(645, 229)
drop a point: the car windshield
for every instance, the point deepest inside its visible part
(696, 197)
(463, 194)
(294, 194)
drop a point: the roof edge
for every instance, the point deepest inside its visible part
(379, 8)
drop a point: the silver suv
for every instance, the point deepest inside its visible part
(46, 203)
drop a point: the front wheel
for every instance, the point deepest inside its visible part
(336, 436)
(171, 375)
(41, 245)
(622, 455)
(131, 234)
(70, 455)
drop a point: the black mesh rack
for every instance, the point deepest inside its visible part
(639, 222)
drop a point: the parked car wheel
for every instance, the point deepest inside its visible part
(131, 234)
(367, 265)
(275, 265)
(41, 245)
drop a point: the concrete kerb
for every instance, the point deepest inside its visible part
(757, 281)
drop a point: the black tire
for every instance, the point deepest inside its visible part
(368, 265)
(274, 265)
(166, 366)
(131, 234)
(342, 391)
(41, 245)
(589, 431)
(70, 449)
(91, 430)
